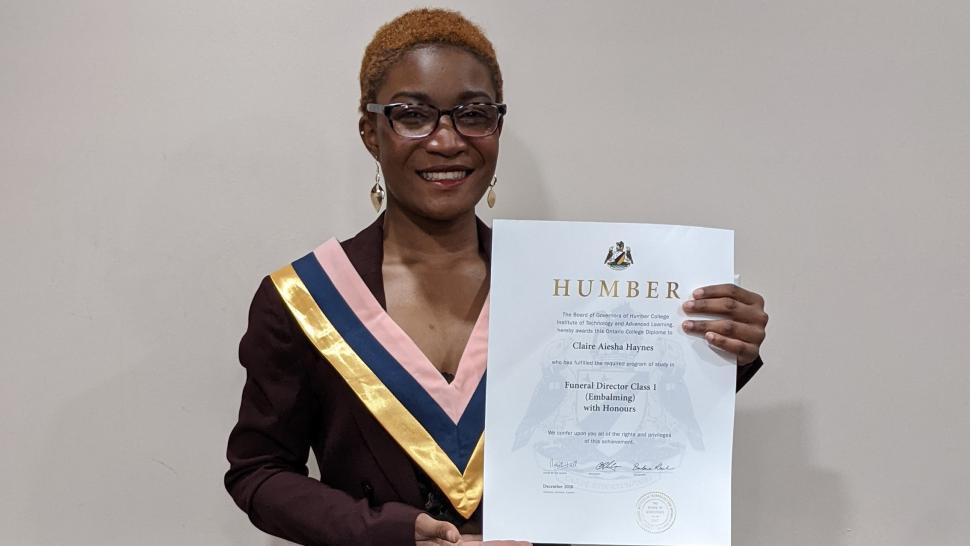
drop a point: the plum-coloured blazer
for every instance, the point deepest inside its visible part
(293, 400)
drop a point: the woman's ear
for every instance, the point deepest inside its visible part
(368, 135)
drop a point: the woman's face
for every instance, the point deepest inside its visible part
(444, 77)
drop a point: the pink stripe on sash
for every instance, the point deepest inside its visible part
(454, 397)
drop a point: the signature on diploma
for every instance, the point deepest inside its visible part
(659, 467)
(607, 465)
(558, 464)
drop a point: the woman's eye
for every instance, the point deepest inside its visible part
(475, 115)
(411, 116)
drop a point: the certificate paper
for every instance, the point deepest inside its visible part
(605, 422)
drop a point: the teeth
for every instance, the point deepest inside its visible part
(444, 175)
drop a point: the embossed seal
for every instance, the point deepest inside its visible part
(656, 512)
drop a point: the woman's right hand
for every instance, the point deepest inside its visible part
(431, 532)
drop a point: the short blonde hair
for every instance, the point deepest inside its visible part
(417, 28)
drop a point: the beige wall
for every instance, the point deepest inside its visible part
(157, 158)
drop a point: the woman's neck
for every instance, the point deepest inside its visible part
(411, 239)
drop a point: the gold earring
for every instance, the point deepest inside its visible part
(491, 192)
(377, 192)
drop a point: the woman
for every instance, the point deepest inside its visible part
(354, 345)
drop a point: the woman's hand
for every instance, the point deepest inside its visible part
(476, 540)
(741, 331)
(431, 532)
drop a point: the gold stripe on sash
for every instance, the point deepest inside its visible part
(463, 490)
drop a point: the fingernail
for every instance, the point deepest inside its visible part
(689, 305)
(709, 336)
(699, 292)
(688, 325)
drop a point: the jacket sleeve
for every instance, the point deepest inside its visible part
(746, 372)
(269, 446)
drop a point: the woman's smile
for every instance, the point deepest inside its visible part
(446, 176)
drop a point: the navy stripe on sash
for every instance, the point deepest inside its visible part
(457, 441)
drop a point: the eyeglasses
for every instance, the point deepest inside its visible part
(479, 119)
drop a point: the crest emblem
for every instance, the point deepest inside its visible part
(619, 257)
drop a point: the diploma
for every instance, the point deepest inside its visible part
(605, 422)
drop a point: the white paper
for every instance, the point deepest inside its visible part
(605, 422)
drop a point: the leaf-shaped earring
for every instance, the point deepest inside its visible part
(491, 192)
(377, 192)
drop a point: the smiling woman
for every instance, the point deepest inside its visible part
(436, 166)
(372, 351)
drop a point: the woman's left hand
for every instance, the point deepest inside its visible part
(741, 331)
(476, 540)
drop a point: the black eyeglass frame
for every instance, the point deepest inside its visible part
(385, 110)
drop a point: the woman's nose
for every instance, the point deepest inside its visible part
(445, 139)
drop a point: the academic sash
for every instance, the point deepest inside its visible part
(438, 424)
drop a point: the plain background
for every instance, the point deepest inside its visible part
(157, 159)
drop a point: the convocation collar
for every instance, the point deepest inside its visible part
(336, 295)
